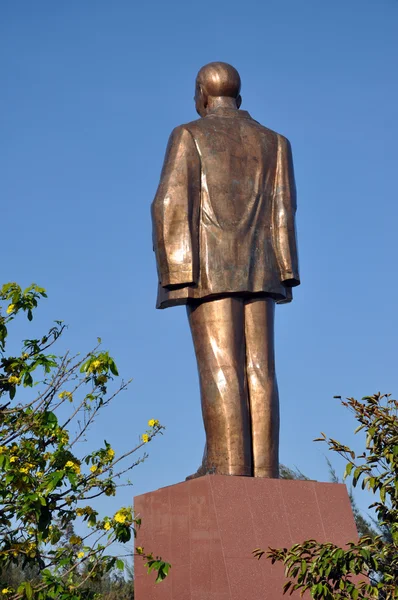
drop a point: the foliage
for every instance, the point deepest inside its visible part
(367, 568)
(287, 473)
(115, 585)
(46, 488)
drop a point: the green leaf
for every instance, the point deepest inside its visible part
(84, 366)
(72, 478)
(113, 368)
(365, 553)
(348, 470)
(359, 428)
(357, 474)
(55, 479)
(287, 586)
(163, 569)
(153, 564)
(27, 380)
(120, 564)
(28, 590)
(50, 419)
(92, 520)
(303, 566)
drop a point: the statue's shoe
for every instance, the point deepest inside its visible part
(199, 473)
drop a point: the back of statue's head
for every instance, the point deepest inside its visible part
(219, 79)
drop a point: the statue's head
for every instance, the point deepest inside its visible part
(217, 83)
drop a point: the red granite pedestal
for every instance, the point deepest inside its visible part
(208, 527)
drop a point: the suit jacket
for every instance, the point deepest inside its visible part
(224, 212)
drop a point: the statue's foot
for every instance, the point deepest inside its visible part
(199, 473)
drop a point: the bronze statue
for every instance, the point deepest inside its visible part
(225, 243)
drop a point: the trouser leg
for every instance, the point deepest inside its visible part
(218, 332)
(262, 386)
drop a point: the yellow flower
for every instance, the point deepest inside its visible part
(120, 518)
(24, 470)
(39, 474)
(139, 550)
(6, 590)
(72, 465)
(75, 539)
(25, 355)
(13, 459)
(3, 449)
(10, 309)
(153, 423)
(67, 395)
(80, 512)
(107, 526)
(94, 366)
(93, 468)
(110, 453)
(13, 379)
(145, 438)
(80, 554)
(63, 435)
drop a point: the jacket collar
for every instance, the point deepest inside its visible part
(233, 113)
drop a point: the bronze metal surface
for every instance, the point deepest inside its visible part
(225, 243)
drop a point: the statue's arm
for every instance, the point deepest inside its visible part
(175, 212)
(284, 210)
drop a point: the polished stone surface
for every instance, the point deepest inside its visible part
(208, 527)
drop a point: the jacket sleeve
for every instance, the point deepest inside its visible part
(175, 212)
(283, 216)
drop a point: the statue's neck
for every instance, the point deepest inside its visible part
(214, 102)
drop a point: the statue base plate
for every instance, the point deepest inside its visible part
(208, 527)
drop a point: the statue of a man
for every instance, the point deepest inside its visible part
(225, 243)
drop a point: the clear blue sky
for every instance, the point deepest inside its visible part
(91, 91)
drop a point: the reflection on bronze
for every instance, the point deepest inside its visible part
(225, 243)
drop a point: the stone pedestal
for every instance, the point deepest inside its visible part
(207, 529)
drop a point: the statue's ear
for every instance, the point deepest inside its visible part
(204, 95)
(239, 101)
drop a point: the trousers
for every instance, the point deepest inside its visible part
(234, 345)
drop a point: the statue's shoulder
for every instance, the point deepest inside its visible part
(194, 126)
(185, 131)
(204, 125)
(270, 132)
